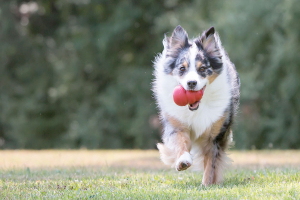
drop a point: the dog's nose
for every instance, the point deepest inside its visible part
(192, 84)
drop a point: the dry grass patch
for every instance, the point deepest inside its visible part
(145, 159)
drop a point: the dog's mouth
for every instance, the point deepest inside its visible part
(195, 105)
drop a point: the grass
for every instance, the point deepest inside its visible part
(140, 175)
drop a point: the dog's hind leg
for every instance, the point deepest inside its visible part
(177, 145)
(214, 146)
(215, 161)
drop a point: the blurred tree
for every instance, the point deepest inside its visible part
(31, 119)
(263, 41)
(77, 73)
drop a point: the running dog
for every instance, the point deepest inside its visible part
(197, 134)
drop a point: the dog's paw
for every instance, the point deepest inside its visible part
(184, 162)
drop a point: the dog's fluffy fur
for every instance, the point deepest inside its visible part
(196, 135)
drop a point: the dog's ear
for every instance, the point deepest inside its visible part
(173, 45)
(166, 42)
(210, 31)
(208, 42)
(179, 39)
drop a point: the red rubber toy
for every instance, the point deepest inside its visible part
(182, 97)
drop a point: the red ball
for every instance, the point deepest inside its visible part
(179, 96)
(191, 97)
(194, 96)
(182, 97)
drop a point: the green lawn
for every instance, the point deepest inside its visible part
(140, 175)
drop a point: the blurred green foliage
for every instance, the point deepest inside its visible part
(78, 73)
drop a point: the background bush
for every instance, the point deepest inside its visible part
(77, 74)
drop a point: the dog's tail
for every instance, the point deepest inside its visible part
(167, 156)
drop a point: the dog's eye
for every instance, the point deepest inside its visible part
(201, 69)
(182, 69)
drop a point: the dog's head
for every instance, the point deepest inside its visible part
(194, 64)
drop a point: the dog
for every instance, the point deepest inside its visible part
(196, 135)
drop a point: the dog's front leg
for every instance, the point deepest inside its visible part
(177, 145)
(182, 148)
